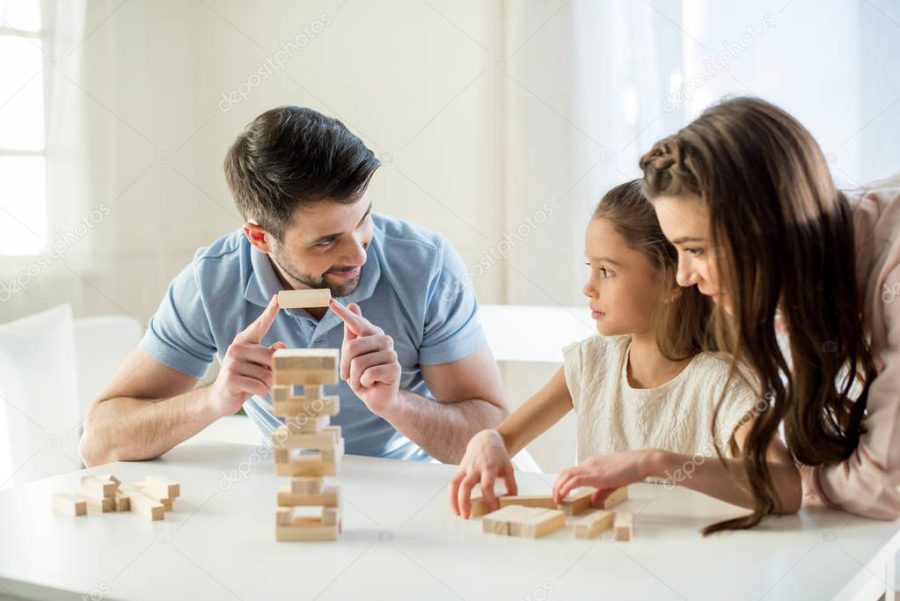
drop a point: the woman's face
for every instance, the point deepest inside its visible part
(685, 222)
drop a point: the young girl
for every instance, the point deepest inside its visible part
(794, 253)
(646, 397)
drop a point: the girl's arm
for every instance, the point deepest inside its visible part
(488, 453)
(707, 474)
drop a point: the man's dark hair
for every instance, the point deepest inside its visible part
(292, 155)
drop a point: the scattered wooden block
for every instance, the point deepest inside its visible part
(591, 525)
(498, 522)
(528, 501)
(67, 504)
(303, 299)
(123, 501)
(540, 523)
(620, 495)
(578, 504)
(327, 498)
(98, 487)
(623, 526)
(162, 488)
(306, 486)
(141, 504)
(328, 405)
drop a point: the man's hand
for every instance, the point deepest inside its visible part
(368, 361)
(247, 366)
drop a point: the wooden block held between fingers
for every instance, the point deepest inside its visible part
(594, 523)
(577, 504)
(623, 526)
(303, 299)
(67, 504)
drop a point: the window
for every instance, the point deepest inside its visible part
(23, 199)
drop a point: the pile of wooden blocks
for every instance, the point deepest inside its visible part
(536, 516)
(306, 448)
(150, 498)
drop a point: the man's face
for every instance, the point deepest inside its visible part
(325, 246)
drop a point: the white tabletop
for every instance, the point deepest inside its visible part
(401, 541)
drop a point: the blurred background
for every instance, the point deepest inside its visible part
(499, 124)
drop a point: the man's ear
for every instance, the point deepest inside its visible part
(258, 237)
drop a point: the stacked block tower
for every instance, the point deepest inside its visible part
(306, 448)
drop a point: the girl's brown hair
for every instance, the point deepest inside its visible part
(784, 237)
(681, 322)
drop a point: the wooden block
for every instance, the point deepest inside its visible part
(326, 439)
(168, 504)
(299, 357)
(327, 498)
(479, 507)
(111, 478)
(88, 491)
(296, 533)
(306, 486)
(577, 504)
(282, 516)
(159, 487)
(498, 522)
(623, 526)
(334, 454)
(528, 501)
(331, 516)
(141, 504)
(307, 425)
(123, 501)
(541, 523)
(303, 299)
(67, 504)
(591, 525)
(305, 376)
(306, 466)
(328, 405)
(619, 495)
(281, 394)
(98, 487)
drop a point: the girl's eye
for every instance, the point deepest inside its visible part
(606, 273)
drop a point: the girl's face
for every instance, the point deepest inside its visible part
(624, 287)
(685, 222)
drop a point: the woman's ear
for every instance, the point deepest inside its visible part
(258, 237)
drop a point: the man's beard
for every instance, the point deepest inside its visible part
(341, 289)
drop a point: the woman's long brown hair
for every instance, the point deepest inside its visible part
(784, 235)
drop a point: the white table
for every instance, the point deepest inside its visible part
(401, 541)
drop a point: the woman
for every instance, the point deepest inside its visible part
(745, 195)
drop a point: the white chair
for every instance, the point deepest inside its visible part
(533, 334)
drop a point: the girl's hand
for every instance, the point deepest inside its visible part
(485, 460)
(605, 473)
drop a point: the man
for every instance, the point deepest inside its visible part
(421, 382)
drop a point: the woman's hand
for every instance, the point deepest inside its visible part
(605, 473)
(486, 459)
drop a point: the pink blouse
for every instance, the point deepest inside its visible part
(868, 482)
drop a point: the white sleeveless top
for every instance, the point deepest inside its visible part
(676, 416)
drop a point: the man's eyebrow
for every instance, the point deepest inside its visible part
(329, 237)
(685, 239)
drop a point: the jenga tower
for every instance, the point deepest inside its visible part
(306, 448)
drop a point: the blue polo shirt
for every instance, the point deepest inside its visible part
(411, 286)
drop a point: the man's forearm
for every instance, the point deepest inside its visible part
(130, 429)
(443, 429)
